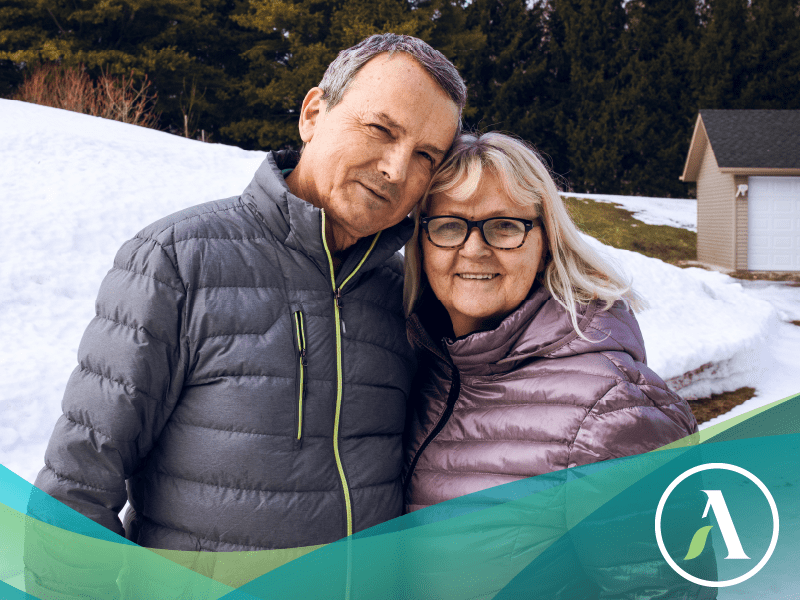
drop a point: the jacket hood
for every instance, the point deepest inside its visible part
(539, 328)
(298, 224)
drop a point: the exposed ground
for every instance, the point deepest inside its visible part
(617, 227)
(792, 279)
(718, 404)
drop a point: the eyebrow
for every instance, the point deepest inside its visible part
(382, 116)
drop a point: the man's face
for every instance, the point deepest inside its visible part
(370, 158)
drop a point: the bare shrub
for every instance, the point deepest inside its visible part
(73, 89)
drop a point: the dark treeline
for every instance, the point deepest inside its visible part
(607, 90)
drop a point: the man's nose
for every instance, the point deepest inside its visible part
(394, 162)
(474, 246)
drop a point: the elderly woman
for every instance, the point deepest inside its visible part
(530, 362)
(531, 359)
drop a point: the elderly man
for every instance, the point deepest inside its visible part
(246, 374)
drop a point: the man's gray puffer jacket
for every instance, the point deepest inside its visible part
(218, 371)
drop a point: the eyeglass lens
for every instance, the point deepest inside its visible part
(500, 233)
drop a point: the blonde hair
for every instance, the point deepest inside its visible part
(573, 272)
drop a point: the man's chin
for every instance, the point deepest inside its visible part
(366, 222)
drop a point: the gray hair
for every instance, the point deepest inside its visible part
(341, 72)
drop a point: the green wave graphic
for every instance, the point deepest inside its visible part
(499, 543)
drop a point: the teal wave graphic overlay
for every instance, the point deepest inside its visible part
(574, 533)
(478, 551)
(9, 592)
(782, 418)
(21, 496)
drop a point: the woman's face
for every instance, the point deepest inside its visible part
(480, 285)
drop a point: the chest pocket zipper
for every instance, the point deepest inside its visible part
(300, 386)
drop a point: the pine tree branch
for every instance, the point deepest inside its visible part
(56, 21)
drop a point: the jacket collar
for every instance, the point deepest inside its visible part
(298, 224)
(539, 328)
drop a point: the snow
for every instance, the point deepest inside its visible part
(76, 187)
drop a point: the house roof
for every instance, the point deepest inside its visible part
(746, 141)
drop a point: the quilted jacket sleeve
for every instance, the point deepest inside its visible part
(637, 414)
(131, 364)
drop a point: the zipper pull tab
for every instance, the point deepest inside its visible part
(337, 294)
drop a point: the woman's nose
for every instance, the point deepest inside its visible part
(474, 246)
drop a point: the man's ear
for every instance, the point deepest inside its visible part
(310, 112)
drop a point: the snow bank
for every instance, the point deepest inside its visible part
(703, 333)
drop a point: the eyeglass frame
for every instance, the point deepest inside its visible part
(528, 223)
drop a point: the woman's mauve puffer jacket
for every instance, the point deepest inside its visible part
(531, 397)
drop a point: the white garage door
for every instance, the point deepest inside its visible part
(773, 211)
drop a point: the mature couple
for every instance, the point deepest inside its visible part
(247, 381)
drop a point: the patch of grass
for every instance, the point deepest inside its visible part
(616, 227)
(706, 409)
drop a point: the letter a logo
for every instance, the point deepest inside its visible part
(722, 516)
(716, 502)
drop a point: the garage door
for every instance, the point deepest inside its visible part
(773, 211)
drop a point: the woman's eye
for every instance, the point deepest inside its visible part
(453, 226)
(506, 227)
(428, 157)
(446, 227)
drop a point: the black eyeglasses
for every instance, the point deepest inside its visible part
(503, 233)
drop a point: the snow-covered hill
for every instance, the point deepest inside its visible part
(73, 188)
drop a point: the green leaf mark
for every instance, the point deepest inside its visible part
(698, 542)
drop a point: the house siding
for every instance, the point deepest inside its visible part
(741, 223)
(716, 214)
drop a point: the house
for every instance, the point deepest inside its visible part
(747, 167)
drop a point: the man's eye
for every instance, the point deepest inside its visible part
(380, 128)
(428, 157)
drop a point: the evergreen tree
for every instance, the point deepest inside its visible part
(509, 76)
(772, 56)
(719, 72)
(658, 103)
(447, 27)
(20, 25)
(592, 44)
(297, 41)
(180, 44)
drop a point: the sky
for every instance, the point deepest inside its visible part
(75, 187)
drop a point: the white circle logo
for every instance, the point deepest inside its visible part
(730, 537)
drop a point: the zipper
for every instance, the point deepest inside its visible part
(300, 333)
(337, 307)
(452, 397)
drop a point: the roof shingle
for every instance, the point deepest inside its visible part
(755, 139)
